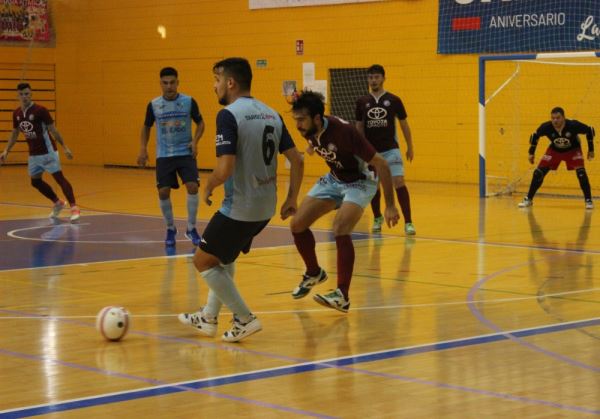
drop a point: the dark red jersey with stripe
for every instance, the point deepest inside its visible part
(345, 150)
(33, 122)
(379, 119)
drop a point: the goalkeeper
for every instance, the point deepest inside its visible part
(564, 146)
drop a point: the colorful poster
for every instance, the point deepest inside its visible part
(24, 20)
(489, 26)
(270, 4)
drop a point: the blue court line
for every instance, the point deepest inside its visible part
(301, 368)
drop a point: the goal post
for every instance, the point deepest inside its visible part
(585, 83)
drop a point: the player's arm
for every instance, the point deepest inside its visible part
(222, 172)
(410, 153)
(11, 142)
(363, 149)
(145, 136)
(358, 117)
(289, 150)
(590, 133)
(59, 139)
(385, 177)
(533, 141)
(226, 148)
(197, 118)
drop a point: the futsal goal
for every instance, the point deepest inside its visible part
(516, 94)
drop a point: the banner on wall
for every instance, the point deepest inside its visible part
(270, 4)
(489, 26)
(24, 20)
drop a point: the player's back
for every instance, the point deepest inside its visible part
(251, 192)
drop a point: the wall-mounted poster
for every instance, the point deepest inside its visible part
(24, 20)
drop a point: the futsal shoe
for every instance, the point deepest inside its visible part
(75, 214)
(589, 204)
(307, 283)
(335, 300)
(57, 208)
(409, 229)
(526, 202)
(241, 330)
(377, 223)
(199, 322)
(171, 233)
(193, 236)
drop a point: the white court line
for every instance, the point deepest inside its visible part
(328, 362)
(13, 234)
(267, 312)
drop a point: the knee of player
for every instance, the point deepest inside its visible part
(192, 188)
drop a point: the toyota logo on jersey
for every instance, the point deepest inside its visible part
(376, 117)
(27, 129)
(562, 142)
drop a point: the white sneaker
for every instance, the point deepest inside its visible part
(75, 213)
(377, 223)
(57, 208)
(526, 202)
(409, 229)
(241, 330)
(307, 283)
(589, 204)
(199, 322)
(334, 300)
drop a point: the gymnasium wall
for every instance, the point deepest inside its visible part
(108, 55)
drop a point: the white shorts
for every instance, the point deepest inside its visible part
(360, 192)
(43, 163)
(394, 159)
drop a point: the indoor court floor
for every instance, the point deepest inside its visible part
(489, 311)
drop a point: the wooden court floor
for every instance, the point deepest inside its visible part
(490, 311)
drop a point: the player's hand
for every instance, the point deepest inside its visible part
(288, 209)
(410, 154)
(391, 216)
(142, 158)
(310, 150)
(194, 148)
(530, 158)
(206, 196)
(68, 153)
(590, 155)
(3, 157)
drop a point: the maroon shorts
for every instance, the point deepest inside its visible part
(552, 158)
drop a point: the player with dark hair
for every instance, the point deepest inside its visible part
(176, 150)
(348, 187)
(37, 125)
(564, 146)
(249, 135)
(376, 115)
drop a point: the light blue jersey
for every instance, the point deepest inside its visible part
(252, 132)
(173, 124)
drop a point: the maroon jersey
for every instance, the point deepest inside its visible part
(379, 119)
(33, 123)
(344, 149)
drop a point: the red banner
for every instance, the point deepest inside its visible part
(24, 20)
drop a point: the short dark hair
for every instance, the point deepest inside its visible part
(559, 110)
(168, 71)
(376, 69)
(313, 102)
(23, 86)
(238, 69)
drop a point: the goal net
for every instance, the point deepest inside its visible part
(516, 95)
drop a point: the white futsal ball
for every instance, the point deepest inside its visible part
(113, 322)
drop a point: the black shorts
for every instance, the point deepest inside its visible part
(167, 169)
(225, 237)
